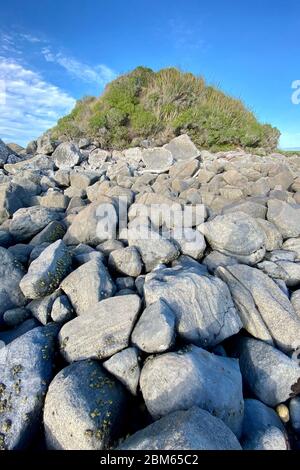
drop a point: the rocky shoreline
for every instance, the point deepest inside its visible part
(149, 298)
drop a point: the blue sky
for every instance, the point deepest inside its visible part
(54, 52)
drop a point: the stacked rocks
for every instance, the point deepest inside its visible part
(149, 291)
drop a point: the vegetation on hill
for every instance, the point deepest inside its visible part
(160, 105)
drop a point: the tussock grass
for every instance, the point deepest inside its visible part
(160, 105)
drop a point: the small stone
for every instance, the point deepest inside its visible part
(125, 367)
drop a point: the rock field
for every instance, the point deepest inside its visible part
(149, 298)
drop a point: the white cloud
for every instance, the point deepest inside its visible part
(98, 74)
(31, 104)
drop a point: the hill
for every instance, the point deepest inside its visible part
(157, 106)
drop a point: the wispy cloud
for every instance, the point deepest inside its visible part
(31, 104)
(98, 74)
(185, 36)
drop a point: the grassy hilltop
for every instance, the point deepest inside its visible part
(160, 105)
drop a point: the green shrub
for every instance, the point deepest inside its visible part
(162, 105)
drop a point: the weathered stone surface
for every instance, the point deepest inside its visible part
(285, 217)
(66, 155)
(157, 160)
(248, 207)
(194, 429)
(153, 248)
(25, 369)
(12, 198)
(93, 225)
(11, 273)
(61, 311)
(8, 336)
(264, 309)
(236, 235)
(190, 241)
(52, 232)
(104, 331)
(155, 329)
(262, 428)
(293, 244)
(174, 381)
(4, 152)
(295, 413)
(87, 285)
(41, 308)
(126, 261)
(202, 304)
(182, 148)
(84, 408)
(45, 144)
(16, 316)
(273, 238)
(295, 299)
(27, 222)
(271, 375)
(215, 259)
(47, 271)
(125, 367)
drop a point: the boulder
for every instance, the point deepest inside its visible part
(295, 413)
(5, 151)
(285, 217)
(202, 304)
(194, 377)
(41, 308)
(95, 224)
(155, 329)
(84, 408)
(157, 160)
(11, 273)
(66, 156)
(27, 222)
(61, 309)
(270, 375)
(47, 271)
(53, 231)
(265, 311)
(193, 429)
(126, 261)
(87, 285)
(182, 148)
(125, 367)
(26, 368)
(236, 235)
(101, 333)
(262, 428)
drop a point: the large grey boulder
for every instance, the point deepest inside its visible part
(61, 311)
(273, 238)
(38, 163)
(87, 285)
(190, 241)
(194, 429)
(94, 224)
(182, 148)
(271, 375)
(26, 368)
(285, 217)
(103, 332)
(11, 273)
(125, 367)
(12, 198)
(84, 408)
(52, 232)
(66, 156)
(202, 304)
(157, 160)
(47, 271)
(153, 248)
(264, 309)
(155, 330)
(237, 235)
(4, 153)
(45, 144)
(293, 244)
(262, 428)
(126, 261)
(179, 380)
(27, 222)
